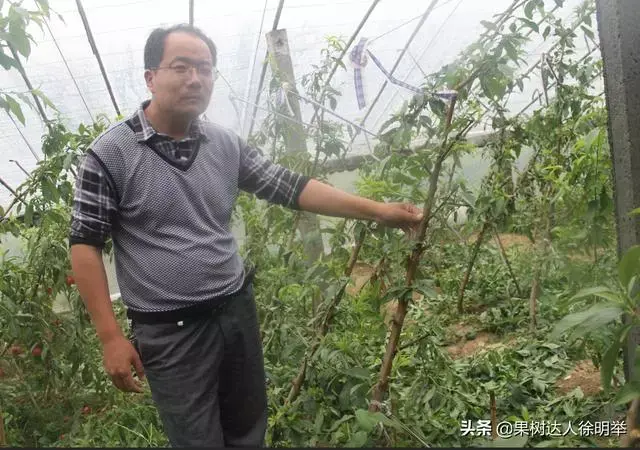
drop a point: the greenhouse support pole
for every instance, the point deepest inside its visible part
(191, 12)
(294, 136)
(620, 46)
(94, 48)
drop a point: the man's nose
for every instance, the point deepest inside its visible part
(194, 77)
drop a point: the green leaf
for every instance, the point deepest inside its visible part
(588, 32)
(635, 212)
(629, 265)
(560, 3)
(512, 52)
(68, 160)
(599, 291)
(333, 103)
(367, 420)
(490, 25)
(528, 9)
(21, 43)
(596, 322)
(7, 62)
(28, 215)
(358, 372)
(15, 108)
(591, 138)
(44, 98)
(359, 439)
(610, 358)
(539, 385)
(546, 32)
(531, 24)
(629, 392)
(44, 6)
(437, 106)
(574, 320)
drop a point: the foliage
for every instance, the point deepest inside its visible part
(15, 41)
(438, 379)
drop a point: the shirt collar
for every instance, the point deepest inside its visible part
(145, 131)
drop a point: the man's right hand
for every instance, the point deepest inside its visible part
(119, 356)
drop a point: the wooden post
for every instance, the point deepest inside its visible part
(295, 136)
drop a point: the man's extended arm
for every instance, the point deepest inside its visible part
(276, 184)
(321, 198)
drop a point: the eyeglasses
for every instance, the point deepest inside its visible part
(183, 70)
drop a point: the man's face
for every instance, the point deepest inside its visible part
(184, 80)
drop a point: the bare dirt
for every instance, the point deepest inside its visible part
(388, 309)
(481, 340)
(585, 376)
(360, 276)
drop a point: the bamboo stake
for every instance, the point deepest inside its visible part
(506, 261)
(296, 384)
(472, 260)
(412, 265)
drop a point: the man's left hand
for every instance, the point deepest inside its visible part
(400, 215)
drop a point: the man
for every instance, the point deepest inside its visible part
(163, 185)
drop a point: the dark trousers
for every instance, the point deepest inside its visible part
(207, 375)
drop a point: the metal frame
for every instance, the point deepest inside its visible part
(55, 41)
(265, 63)
(94, 48)
(423, 19)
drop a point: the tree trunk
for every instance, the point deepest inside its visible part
(472, 260)
(412, 265)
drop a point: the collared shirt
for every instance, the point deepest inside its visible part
(168, 207)
(179, 151)
(95, 201)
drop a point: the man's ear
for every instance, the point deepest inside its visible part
(149, 79)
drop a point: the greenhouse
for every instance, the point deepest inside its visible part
(429, 210)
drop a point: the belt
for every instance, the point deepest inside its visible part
(197, 311)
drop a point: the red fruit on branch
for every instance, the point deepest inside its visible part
(16, 350)
(1, 372)
(70, 280)
(49, 291)
(62, 437)
(36, 351)
(65, 419)
(86, 410)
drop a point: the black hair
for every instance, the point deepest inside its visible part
(154, 48)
